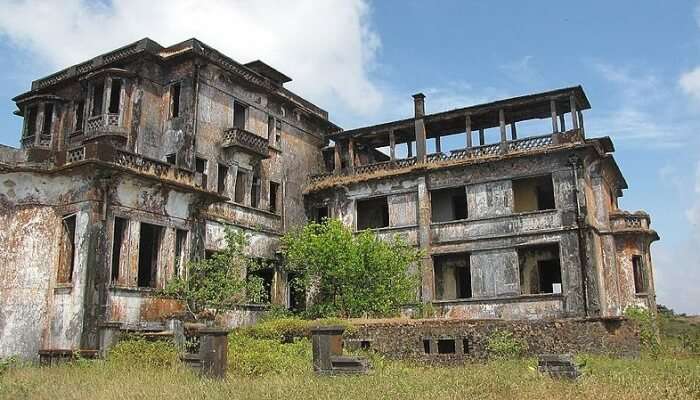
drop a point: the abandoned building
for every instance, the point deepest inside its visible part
(135, 161)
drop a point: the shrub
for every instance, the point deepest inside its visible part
(138, 352)
(7, 363)
(288, 329)
(251, 356)
(502, 344)
(648, 330)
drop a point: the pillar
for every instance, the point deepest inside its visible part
(326, 342)
(213, 352)
(482, 139)
(424, 219)
(337, 160)
(392, 146)
(553, 111)
(562, 123)
(419, 113)
(409, 149)
(351, 154)
(574, 115)
(513, 133)
(438, 147)
(502, 123)
(468, 129)
(580, 122)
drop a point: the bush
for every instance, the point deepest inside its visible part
(251, 356)
(503, 345)
(138, 352)
(648, 330)
(288, 329)
(7, 363)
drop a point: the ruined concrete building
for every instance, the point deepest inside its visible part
(134, 161)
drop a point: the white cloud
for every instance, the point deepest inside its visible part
(690, 83)
(327, 47)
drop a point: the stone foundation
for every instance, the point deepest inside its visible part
(451, 340)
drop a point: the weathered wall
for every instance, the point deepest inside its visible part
(403, 339)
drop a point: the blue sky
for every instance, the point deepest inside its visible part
(637, 60)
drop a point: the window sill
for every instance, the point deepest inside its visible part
(275, 148)
(63, 288)
(132, 289)
(388, 228)
(643, 294)
(509, 299)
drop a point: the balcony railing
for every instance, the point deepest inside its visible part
(31, 141)
(626, 221)
(104, 123)
(487, 150)
(246, 141)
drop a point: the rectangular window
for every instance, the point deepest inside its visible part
(222, 175)
(426, 346)
(79, 114)
(255, 192)
(274, 196)
(180, 251)
(278, 132)
(372, 213)
(150, 240)
(452, 276)
(115, 96)
(266, 275)
(67, 258)
(239, 115)
(446, 346)
(171, 158)
(239, 195)
(48, 119)
(97, 98)
(119, 244)
(200, 166)
(466, 347)
(31, 121)
(319, 214)
(540, 269)
(448, 204)
(533, 194)
(640, 281)
(175, 100)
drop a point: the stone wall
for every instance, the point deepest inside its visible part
(408, 339)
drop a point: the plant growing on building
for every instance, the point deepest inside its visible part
(348, 274)
(218, 282)
(504, 345)
(648, 329)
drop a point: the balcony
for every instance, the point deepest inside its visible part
(517, 146)
(240, 139)
(104, 125)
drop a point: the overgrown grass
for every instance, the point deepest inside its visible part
(262, 367)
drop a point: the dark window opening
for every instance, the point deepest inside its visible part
(533, 194)
(31, 121)
(200, 166)
(365, 344)
(278, 132)
(65, 270)
(426, 346)
(271, 129)
(97, 98)
(209, 254)
(466, 347)
(171, 158)
(319, 214)
(48, 119)
(448, 204)
(640, 281)
(239, 115)
(255, 192)
(175, 100)
(149, 248)
(540, 269)
(79, 115)
(180, 250)
(118, 243)
(267, 275)
(446, 346)
(372, 213)
(452, 276)
(222, 177)
(239, 195)
(274, 195)
(115, 96)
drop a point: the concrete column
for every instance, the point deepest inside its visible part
(409, 148)
(351, 154)
(502, 122)
(438, 147)
(574, 115)
(580, 122)
(338, 160)
(562, 123)
(392, 146)
(419, 109)
(553, 110)
(468, 130)
(424, 217)
(109, 334)
(482, 139)
(513, 132)
(213, 352)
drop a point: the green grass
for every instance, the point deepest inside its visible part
(260, 367)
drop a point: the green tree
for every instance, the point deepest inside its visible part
(351, 274)
(221, 281)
